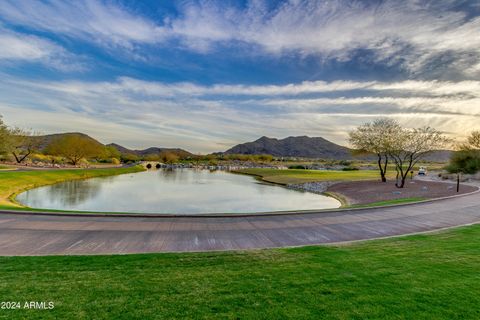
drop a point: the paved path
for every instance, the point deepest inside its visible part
(31, 234)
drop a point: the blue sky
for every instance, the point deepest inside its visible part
(205, 75)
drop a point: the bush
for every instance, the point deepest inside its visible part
(465, 161)
(297, 166)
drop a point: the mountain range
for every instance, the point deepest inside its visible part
(295, 147)
(312, 147)
(150, 151)
(305, 147)
(43, 141)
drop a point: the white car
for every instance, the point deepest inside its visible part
(422, 171)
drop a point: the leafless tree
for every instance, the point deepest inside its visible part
(23, 144)
(408, 146)
(374, 138)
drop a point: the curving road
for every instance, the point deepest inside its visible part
(34, 234)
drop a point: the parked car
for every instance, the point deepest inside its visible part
(422, 171)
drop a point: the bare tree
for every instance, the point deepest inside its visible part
(407, 147)
(23, 144)
(375, 138)
(474, 140)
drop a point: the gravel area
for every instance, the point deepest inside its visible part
(315, 187)
(363, 192)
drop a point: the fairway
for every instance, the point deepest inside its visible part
(13, 182)
(415, 277)
(293, 176)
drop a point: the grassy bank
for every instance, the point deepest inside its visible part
(387, 202)
(415, 277)
(301, 176)
(14, 182)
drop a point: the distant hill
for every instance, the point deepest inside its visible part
(303, 146)
(310, 147)
(150, 151)
(439, 156)
(45, 140)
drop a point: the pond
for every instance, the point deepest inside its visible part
(179, 191)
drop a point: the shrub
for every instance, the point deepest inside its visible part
(465, 161)
(297, 166)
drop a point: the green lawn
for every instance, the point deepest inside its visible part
(300, 176)
(415, 277)
(387, 202)
(13, 182)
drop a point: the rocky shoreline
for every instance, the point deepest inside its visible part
(315, 187)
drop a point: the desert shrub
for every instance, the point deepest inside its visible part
(297, 166)
(465, 161)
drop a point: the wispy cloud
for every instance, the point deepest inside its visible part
(409, 33)
(420, 37)
(17, 47)
(206, 118)
(95, 21)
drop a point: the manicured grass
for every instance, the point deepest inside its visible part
(386, 202)
(416, 277)
(300, 176)
(13, 182)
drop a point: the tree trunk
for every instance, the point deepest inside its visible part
(382, 170)
(20, 159)
(384, 179)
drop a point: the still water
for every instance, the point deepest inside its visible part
(180, 191)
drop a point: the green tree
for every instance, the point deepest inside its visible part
(467, 158)
(111, 152)
(168, 157)
(75, 148)
(5, 138)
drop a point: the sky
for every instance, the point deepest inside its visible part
(206, 75)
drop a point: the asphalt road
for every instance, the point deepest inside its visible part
(33, 234)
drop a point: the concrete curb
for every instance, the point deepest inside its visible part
(223, 215)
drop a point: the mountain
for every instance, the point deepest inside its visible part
(304, 147)
(439, 156)
(150, 151)
(43, 141)
(311, 147)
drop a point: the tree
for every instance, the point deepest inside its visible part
(408, 146)
(467, 157)
(129, 157)
(22, 144)
(5, 138)
(75, 148)
(168, 157)
(374, 138)
(111, 152)
(474, 140)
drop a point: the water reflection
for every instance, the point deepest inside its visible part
(173, 191)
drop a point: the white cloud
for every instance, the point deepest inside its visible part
(141, 113)
(406, 32)
(106, 24)
(410, 33)
(27, 48)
